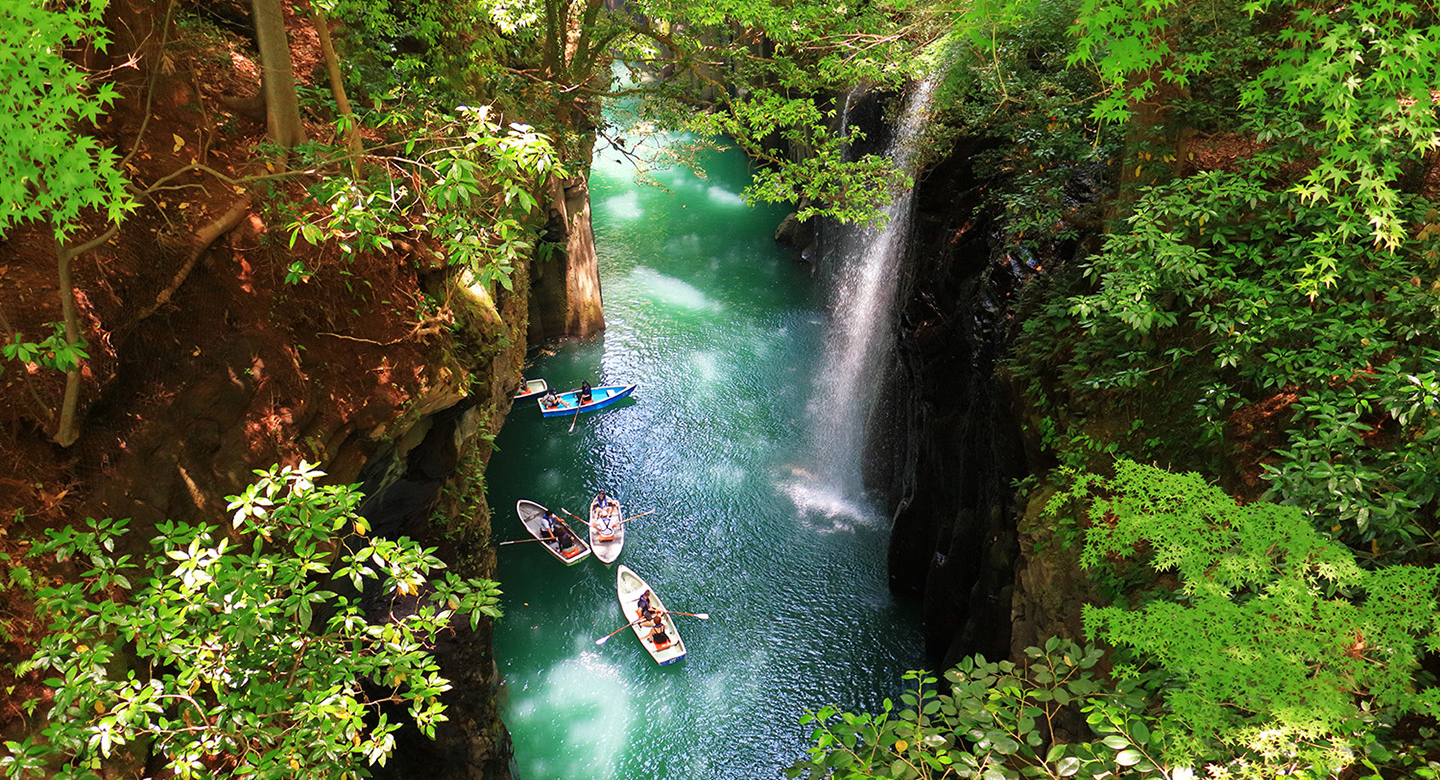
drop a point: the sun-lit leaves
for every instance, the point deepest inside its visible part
(49, 168)
(248, 650)
(1280, 644)
(1000, 719)
(52, 352)
(462, 184)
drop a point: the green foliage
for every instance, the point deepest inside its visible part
(689, 62)
(1200, 293)
(414, 53)
(1134, 47)
(54, 352)
(48, 169)
(1282, 650)
(471, 194)
(242, 653)
(1342, 89)
(1000, 720)
(828, 183)
(1360, 76)
(1023, 114)
(1274, 654)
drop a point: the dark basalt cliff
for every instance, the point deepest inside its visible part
(953, 544)
(954, 416)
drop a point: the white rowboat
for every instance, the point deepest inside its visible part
(629, 587)
(532, 514)
(534, 388)
(607, 530)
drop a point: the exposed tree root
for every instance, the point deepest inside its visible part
(204, 237)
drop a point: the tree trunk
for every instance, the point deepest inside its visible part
(282, 105)
(67, 433)
(337, 87)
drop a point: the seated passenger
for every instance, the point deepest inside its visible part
(658, 635)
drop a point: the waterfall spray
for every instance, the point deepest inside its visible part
(861, 337)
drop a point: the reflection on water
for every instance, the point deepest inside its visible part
(722, 331)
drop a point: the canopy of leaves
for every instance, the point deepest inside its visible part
(1000, 720)
(243, 652)
(470, 190)
(1279, 643)
(49, 169)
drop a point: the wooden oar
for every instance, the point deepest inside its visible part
(577, 412)
(577, 518)
(602, 640)
(636, 517)
(701, 615)
(622, 522)
(517, 541)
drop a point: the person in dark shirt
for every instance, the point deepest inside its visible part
(556, 530)
(658, 635)
(585, 392)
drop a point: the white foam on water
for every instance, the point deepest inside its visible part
(672, 291)
(725, 197)
(705, 368)
(684, 244)
(824, 509)
(625, 206)
(728, 474)
(587, 700)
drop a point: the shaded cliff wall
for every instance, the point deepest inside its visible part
(959, 440)
(953, 543)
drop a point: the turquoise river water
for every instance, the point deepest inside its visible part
(722, 330)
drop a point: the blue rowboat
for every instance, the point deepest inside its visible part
(600, 397)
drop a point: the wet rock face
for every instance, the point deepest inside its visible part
(797, 234)
(954, 543)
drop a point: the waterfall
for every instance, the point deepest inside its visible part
(866, 272)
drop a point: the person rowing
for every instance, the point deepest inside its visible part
(584, 394)
(607, 512)
(658, 635)
(557, 530)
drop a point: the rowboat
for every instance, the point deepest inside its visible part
(629, 587)
(534, 388)
(607, 532)
(600, 397)
(532, 514)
